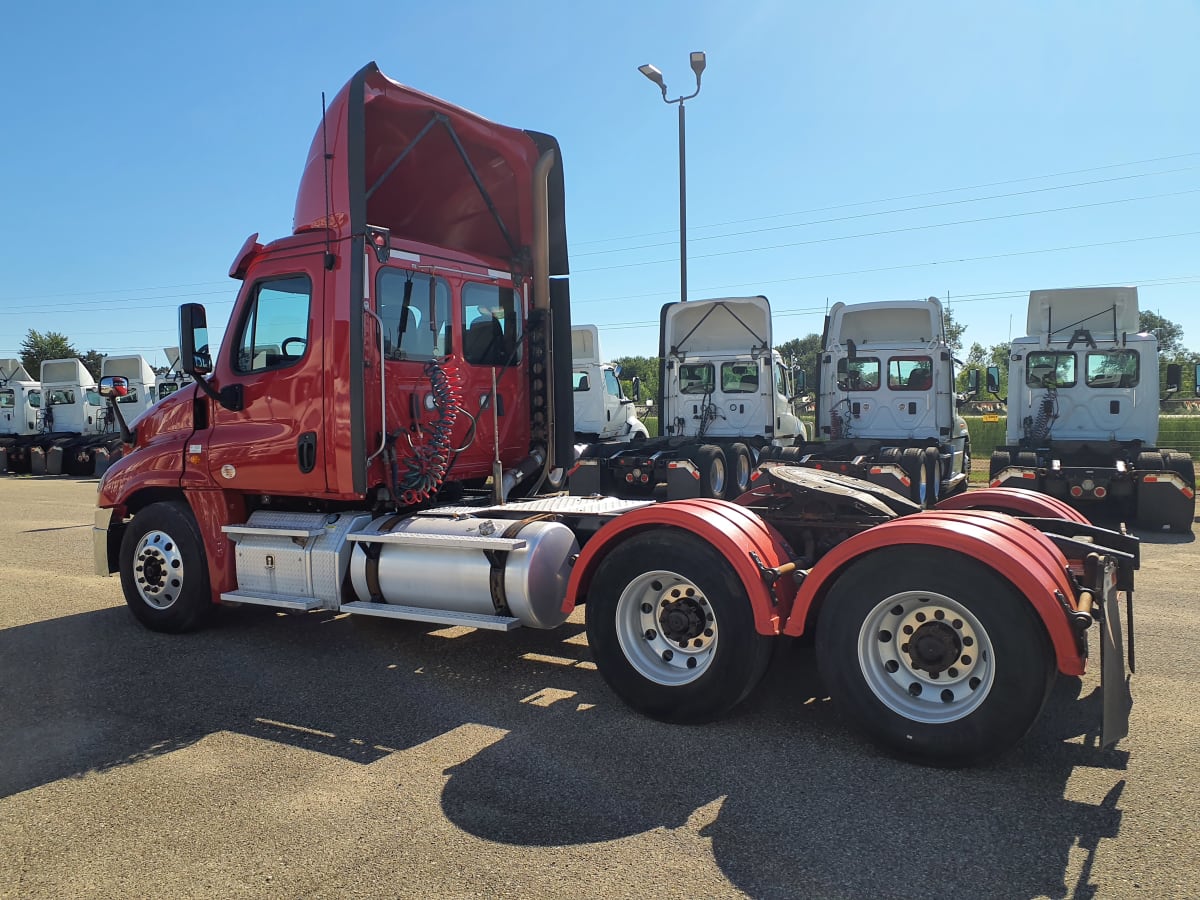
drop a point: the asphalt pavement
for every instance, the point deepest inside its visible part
(277, 755)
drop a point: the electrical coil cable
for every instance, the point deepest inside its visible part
(837, 423)
(427, 463)
(1046, 414)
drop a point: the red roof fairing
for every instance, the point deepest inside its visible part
(430, 196)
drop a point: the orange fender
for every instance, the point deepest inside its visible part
(734, 531)
(1017, 502)
(1017, 552)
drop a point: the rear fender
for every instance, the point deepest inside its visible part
(1016, 502)
(733, 530)
(1016, 551)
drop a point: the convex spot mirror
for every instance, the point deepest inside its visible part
(114, 386)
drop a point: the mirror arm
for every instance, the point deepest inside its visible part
(127, 436)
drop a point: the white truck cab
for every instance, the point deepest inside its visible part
(141, 383)
(20, 400)
(71, 403)
(602, 411)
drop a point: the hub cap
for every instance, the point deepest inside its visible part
(666, 628)
(926, 657)
(158, 569)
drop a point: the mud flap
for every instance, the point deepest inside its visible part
(1114, 684)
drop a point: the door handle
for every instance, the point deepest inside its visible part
(306, 451)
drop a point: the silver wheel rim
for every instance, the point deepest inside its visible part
(743, 472)
(716, 475)
(666, 628)
(926, 657)
(158, 569)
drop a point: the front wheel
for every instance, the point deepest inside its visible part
(934, 655)
(164, 573)
(672, 630)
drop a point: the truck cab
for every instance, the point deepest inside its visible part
(1083, 407)
(724, 380)
(20, 400)
(139, 392)
(887, 406)
(602, 411)
(70, 402)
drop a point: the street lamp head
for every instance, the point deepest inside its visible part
(654, 75)
(698, 61)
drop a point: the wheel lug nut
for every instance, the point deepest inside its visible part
(952, 672)
(708, 632)
(651, 634)
(647, 608)
(966, 660)
(668, 655)
(691, 663)
(697, 643)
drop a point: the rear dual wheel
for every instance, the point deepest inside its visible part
(933, 655)
(672, 629)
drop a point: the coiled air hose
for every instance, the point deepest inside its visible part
(426, 464)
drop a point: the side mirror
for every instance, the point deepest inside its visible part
(636, 387)
(799, 380)
(851, 350)
(1174, 378)
(973, 382)
(993, 380)
(194, 356)
(114, 386)
(1196, 380)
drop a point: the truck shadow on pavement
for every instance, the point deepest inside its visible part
(792, 803)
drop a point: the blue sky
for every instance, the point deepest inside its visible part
(854, 151)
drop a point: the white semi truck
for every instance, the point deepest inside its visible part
(1083, 407)
(602, 411)
(887, 407)
(20, 409)
(724, 395)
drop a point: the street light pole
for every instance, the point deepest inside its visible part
(698, 62)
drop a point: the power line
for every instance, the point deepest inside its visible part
(888, 212)
(821, 209)
(78, 307)
(165, 287)
(759, 284)
(909, 228)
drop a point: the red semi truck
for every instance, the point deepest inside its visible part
(393, 395)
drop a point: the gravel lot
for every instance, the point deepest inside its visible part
(299, 756)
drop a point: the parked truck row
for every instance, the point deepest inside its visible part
(59, 423)
(423, 297)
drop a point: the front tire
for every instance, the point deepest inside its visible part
(671, 628)
(934, 655)
(164, 573)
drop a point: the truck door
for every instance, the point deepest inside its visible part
(273, 443)
(615, 412)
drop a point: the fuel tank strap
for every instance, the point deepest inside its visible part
(496, 559)
(371, 570)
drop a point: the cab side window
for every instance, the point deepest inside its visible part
(491, 324)
(415, 309)
(611, 385)
(275, 331)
